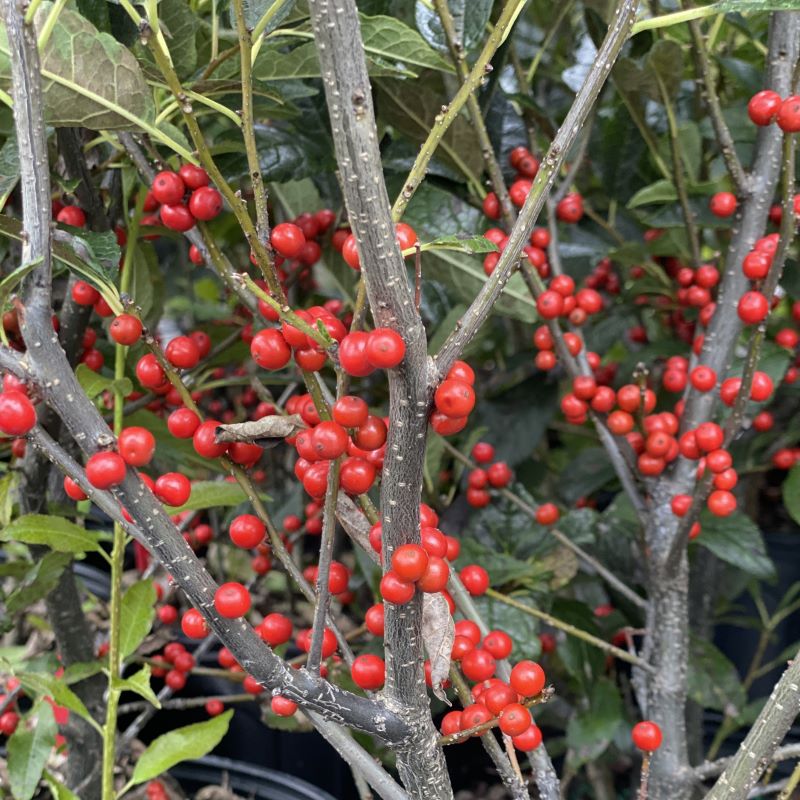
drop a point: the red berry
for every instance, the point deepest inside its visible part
(499, 474)
(194, 624)
(368, 671)
(570, 209)
(182, 423)
(125, 329)
(275, 629)
(515, 719)
(282, 706)
(173, 489)
(721, 503)
(269, 349)
(385, 348)
(395, 590)
(709, 436)
(136, 445)
(17, 414)
(528, 740)
(176, 217)
(374, 619)
(550, 304)
(288, 239)
(491, 206)
(104, 470)
(232, 600)
(436, 575)
(349, 411)
(475, 579)
(547, 514)
(723, 204)
(753, 307)
(478, 664)
(646, 736)
(73, 491)
(72, 215)
(527, 678)
(205, 203)
(168, 188)
(356, 475)
(205, 442)
(150, 373)
(353, 354)
(193, 177)
(498, 643)
(410, 561)
(483, 452)
(247, 531)
(454, 398)
(84, 294)
(764, 106)
(788, 118)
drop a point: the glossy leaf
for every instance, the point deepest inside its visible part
(136, 616)
(28, 751)
(56, 533)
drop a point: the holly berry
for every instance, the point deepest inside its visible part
(498, 643)
(475, 579)
(282, 706)
(515, 719)
(454, 398)
(17, 414)
(125, 329)
(547, 514)
(194, 624)
(478, 664)
(73, 491)
(269, 349)
(182, 352)
(528, 740)
(527, 678)
(350, 411)
(173, 489)
(84, 294)
(287, 239)
(499, 474)
(753, 307)
(409, 562)
(205, 203)
(570, 209)
(395, 590)
(205, 442)
(168, 188)
(247, 531)
(763, 107)
(723, 204)
(182, 423)
(232, 600)
(646, 736)
(275, 629)
(368, 671)
(353, 354)
(72, 215)
(374, 619)
(176, 217)
(136, 445)
(193, 177)
(356, 475)
(721, 503)
(104, 470)
(384, 348)
(788, 118)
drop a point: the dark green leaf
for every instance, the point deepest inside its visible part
(791, 493)
(136, 616)
(79, 61)
(469, 19)
(278, 11)
(41, 578)
(179, 24)
(737, 540)
(662, 191)
(521, 627)
(590, 470)
(713, 680)
(28, 751)
(57, 533)
(9, 168)
(590, 731)
(461, 244)
(182, 744)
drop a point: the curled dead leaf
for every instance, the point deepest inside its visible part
(438, 632)
(265, 432)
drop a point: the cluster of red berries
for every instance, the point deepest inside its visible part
(536, 251)
(603, 277)
(181, 198)
(753, 305)
(421, 566)
(705, 444)
(766, 107)
(345, 242)
(454, 400)
(526, 165)
(495, 475)
(174, 665)
(492, 697)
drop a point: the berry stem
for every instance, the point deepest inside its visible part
(642, 793)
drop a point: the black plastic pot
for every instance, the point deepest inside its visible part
(244, 779)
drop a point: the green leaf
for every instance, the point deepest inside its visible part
(49, 686)
(461, 244)
(665, 60)
(738, 541)
(147, 284)
(278, 10)
(94, 384)
(136, 616)
(521, 627)
(662, 191)
(713, 681)
(78, 61)
(100, 251)
(28, 751)
(412, 108)
(590, 731)
(60, 792)
(180, 25)
(791, 493)
(40, 580)
(139, 683)
(57, 533)
(9, 168)
(445, 328)
(390, 39)
(213, 494)
(182, 744)
(586, 473)
(469, 19)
